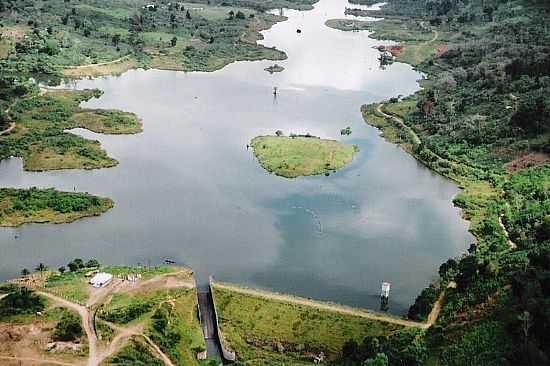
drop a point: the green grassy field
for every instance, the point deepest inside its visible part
(292, 157)
(270, 332)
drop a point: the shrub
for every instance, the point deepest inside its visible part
(68, 328)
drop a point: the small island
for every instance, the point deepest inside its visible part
(274, 68)
(349, 24)
(24, 206)
(301, 155)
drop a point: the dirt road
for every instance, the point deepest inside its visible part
(86, 323)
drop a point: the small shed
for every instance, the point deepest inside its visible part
(101, 279)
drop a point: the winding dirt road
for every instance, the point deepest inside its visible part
(86, 323)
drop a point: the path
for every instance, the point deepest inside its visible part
(99, 64)
(436, 308)
(324, 306)
(86, 322)
(36, 361)
(401, 122)
(9, 129)
(124, 335)
(510, 242)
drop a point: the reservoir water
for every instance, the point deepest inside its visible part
(188, 188)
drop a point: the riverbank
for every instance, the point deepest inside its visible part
(495, 200)
(296, 156)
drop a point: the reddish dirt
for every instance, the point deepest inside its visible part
(529, 160)
(396, 50)
(442, 50)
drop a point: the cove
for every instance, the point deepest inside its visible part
(188, 188)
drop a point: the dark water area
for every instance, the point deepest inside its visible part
(188, 189)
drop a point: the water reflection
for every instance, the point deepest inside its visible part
(188, 188)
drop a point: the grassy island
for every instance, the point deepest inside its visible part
(297, 156)
(23, 206)
(39, 135)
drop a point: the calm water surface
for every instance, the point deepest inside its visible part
(188, 189)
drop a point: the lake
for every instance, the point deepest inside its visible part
(188, 188)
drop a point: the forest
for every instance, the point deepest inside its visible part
(483, 120)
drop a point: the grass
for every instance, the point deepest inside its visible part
(348, 24)
(292, 157)
(136, 352)
(267, 332)
(176, 329)
(94, 70)
(20, 206)
(40, 137)
(108, 121)
(72, 286)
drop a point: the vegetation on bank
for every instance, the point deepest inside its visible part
(116, 36)
(40, 137)
(22, 206)
(296, 156)
(263, 331)
(482, 113)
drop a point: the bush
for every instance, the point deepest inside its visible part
(68, 328)
(21, 301)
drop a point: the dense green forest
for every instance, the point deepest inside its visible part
(483, 120)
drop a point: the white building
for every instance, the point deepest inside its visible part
(101, 279)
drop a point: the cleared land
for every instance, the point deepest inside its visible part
(292, 157)
(152, 320)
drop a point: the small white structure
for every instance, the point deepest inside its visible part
(101, 279)
(385, 290)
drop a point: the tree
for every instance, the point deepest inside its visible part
(41, 268)
(115, 40)
(174, 41)
(75, 264)
(231, 14)
(68, 328)
(92, 263)
(187, 15)
(25, 272)
(279, 133)
(379, 360)
(61, 269)
(349, 350)
(240, 15)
